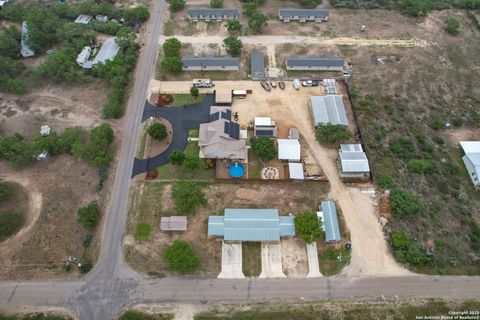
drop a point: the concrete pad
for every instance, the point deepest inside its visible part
(231, 261)
(313, 266)
(272, 261)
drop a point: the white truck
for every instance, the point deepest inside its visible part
(296, 84)
(203, 83)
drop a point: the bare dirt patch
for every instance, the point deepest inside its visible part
(294, 258)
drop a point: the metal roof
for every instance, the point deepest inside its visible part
(354, 161)
(330, 221)
(217, 12)
(296, 171)
(210, 61)
(288, 149)
(257, 64)
(328, 109)
(303, 13)
(83, 19)
(107, 52)
(351, 147)
(25, 48)
(312, 61)
(471, 159)
(263, 121)
(251, 225)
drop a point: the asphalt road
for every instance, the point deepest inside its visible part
(112, 286)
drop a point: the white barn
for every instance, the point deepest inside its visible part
(471, 159)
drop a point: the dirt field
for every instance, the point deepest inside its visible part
(151, 200)
(294, 258)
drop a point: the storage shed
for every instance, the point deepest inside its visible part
(471, 159)
(264, 127)
(328, 214)
(328, 109)
(25, 50)
(303, 15)
(295, 170)
(289, 149)
(173, 223)
(209, 63)
(353, 161)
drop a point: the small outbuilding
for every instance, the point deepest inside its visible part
(288, 149)
(83, 19)
(212, 14)
(83, 56)
(209, 63)
(328, 214)
(313, 63)
(295, 170)
(257, 65)
(173, 223)
(264, 127)
(471, 159)
(25, 50)
(353, 161)
(328, 109)
(223, 97)
(101, 18)
(107, 52)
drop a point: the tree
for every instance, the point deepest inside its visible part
(16, 150)
(332, 133)
(177, 157)
(171, 47)
(157, 131)
(234, 45)
(9, 47)
(76, 35)
(88, 216)
(452, 26)
(176, 5)
(249, 8)
(309, 3)
(216, 3)
(181, 257)
(5, 191)
(234, 26)
(385, 180)
(96, 150)
(194, 92)
(134, 15)
(193, 162)
(403, 203)
(256, 21)
(264, 148)
(187, 196)
(308, 226)
(60, 66)
(172, 64)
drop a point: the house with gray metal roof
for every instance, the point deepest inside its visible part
(471, 159)
(328, 215)
(209, 63)
(353, 161)
(257, 65)
(25, 50)
(251, 225)
(303, 15)
(313, 63)
(328, 109)
(212, 14)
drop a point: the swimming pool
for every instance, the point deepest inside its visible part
(236, 170)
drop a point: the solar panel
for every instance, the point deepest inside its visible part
(227, 115)
(214, 116)
(264, 133)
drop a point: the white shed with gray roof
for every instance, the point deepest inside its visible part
(471, 159)
(303, 15)
(353, 160)
(209, 14)
(328, 109)
(225, 63)
(25, 50)
(313, 63)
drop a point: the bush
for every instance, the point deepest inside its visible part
(172, 64)
(171, 47)
(234, 26)
(402, 148)
(16, 150)
(5, 191)
(10, 222)
(177, 157)
(194, 91)
(452, 26)
(86, 266)
(176, 5)
(181, 257)
(403, 203)
(249, 8)
(113, 108)
(137, 315)
(61, 66)
(193, 162)
(457, 121)
(438, 140)
(256, 21)
(9, 47)
(332, 133)
(385, 180)
(264, 148)
(142, 231)
(157, 131)
(88, 216)
(216, 3)
(407, 251)
(233, 45)
(311, 4)
(96, 150)
(187, 196)
(308, 226)
(421, 166)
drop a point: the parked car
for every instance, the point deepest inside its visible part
(315, 83)
(265, 85)
(273, 84)
(307, 83)
(296, 84)
(281, 85)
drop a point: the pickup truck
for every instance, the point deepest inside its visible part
(296, 84)
(202, 83)
(265, 85)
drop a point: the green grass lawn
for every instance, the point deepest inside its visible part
(142, 231)
(330, 264)
(254, 165)
(193, 133)
(251, 259)
(185, 99)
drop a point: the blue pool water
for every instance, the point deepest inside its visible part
(236, 170)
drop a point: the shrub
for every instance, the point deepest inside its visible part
(16, 150)
(171, 47)
(234, 25)
(113, 108)
(142, 231)
(311, 4)
(407, 251)
(385, 180)
(436, 123)
(176, 5)
(216, 3)
(403, 203)
(452, 26)
(256, 21)
(157, 131)
(249, 8)
(88, 216)
(172, 64)
(86, 266)
(438, 140)
(5, 191)
(402, 148)
(187, 196)
(308, 226)
(137, 315)
(96, 150)
(193, 162)
(194, 91)
(10, 222)
(331, 133)
(233, 45)
(263, 147)
(177, 157)
(457, 121)
(421, 166)
(181, 257)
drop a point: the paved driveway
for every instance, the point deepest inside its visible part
(313, 266)
(182, 119)
(231, 261)
(272, 261)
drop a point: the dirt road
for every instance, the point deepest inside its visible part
(279, 40)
